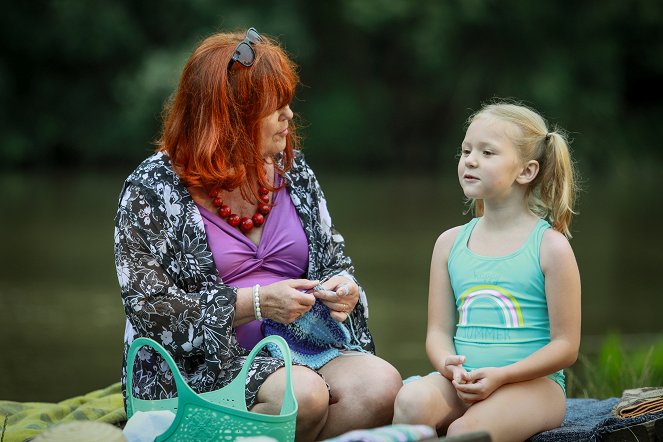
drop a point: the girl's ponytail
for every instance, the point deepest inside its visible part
(552, 193)
(557, 182)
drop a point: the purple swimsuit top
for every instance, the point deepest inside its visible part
(282, 253)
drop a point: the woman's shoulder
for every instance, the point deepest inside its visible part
(151, 181)
(300, 173)
(299, 163)
(156, 170)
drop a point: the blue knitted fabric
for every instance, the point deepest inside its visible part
(314, 339)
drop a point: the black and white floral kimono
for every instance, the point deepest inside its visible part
(172, 291)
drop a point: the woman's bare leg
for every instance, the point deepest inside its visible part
(312, 400)
(363, 389)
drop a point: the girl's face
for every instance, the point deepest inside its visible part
(274, 131)
(489, 163)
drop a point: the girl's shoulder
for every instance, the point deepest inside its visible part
(554, 241)
(555, 248)
(448, 238)
(446, 241)
(450, 235)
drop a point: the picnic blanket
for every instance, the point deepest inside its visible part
(20, 421)
(591, 420)
(586, 419)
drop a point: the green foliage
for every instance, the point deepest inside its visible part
(615, 369)
(387, 83)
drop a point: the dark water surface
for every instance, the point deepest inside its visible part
(61, 319)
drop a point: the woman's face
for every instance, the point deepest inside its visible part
(274, 131)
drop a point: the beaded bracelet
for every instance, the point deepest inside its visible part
(256, 302)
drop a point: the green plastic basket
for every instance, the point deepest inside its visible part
(220, 414)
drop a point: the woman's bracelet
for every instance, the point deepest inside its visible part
(256, 302)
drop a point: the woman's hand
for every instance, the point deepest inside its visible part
(480, 384)
(286, 301)
(341, 295)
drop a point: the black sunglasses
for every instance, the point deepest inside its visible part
(244, 52)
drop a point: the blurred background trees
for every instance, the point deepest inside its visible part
(386, 83)
(387, 87)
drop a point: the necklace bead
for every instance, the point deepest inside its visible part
(234, 220)
(224, 211)
(245, 224)
(258, 219)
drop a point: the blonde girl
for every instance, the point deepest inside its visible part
(504, 294)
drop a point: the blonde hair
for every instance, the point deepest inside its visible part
(552, 193)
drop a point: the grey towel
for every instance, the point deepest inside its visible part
(590, 420)
(638, 401)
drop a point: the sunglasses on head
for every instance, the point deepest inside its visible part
(244, 52)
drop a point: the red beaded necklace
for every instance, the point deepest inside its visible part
(245, 223)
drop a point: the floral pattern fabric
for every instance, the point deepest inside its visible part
(172, 292)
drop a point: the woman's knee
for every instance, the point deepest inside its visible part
(390, 382)
(311, 393)
(380, 388)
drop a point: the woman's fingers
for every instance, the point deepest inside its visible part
(338, 316)
(339, 294)
(340, 307)
(305, 299)
(291, 298)
(342, 286)
(328, 297)
(343, 289)
(285, 302)
(302, 284)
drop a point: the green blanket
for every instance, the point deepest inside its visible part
(20, 421)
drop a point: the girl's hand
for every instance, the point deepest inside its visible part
(286, 301)
(481, 384)
(340, 294)
(453, 369)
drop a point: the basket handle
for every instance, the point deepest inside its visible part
(183, 388)
(289, 404)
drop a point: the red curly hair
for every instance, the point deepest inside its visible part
(211, 126)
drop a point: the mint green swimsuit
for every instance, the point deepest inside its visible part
(501, 302)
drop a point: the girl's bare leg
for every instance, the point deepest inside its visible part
(431, 400)
(515, 412)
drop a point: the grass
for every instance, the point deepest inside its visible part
(614, 369)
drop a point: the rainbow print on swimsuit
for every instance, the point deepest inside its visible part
(513, 317)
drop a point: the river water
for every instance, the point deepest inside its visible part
(62, 322)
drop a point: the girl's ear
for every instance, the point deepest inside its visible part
(529, 172)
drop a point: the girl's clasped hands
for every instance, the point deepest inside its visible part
(472, 386)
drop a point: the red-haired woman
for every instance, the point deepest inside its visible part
(223, 236)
